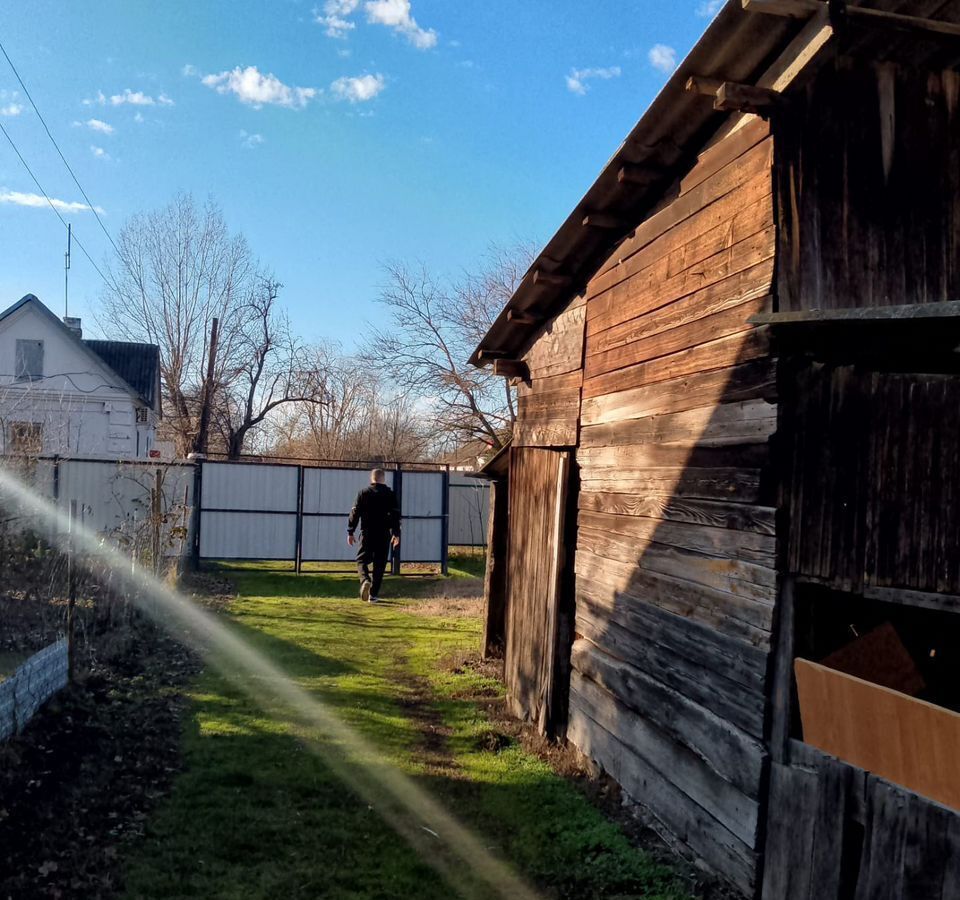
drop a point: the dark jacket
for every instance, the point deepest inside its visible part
(376, 511)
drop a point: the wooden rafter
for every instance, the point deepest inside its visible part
(859, 15)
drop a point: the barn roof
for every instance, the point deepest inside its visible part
(740, 46)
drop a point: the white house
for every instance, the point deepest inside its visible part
(62, 395)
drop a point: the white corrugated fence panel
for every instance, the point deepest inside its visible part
(325, 539)
(113, 498)
(422, 494)
(469, 511)
(334, 490)
(236, 535)
(422, 540)
(251, 486)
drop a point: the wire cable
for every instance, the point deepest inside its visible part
(76, 181)
(52, 206)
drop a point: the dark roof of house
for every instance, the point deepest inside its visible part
(739, 45)
(137, 364)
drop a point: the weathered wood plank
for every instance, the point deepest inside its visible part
(792, 808)
(713, 353)
(712, 513)
(687, 770)
(687, 638)
(727, 612)
(639, 308)
(722, 573)
(722, 542)
(681, 454)
(724, 153)
(712, 230)
(735, 703)
(756, 161)
(558, 347)
(737, 485)
(746, 382)
(545, 434)
(676, 817)
(743, 422)
(734, 320)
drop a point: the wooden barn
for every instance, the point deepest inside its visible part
(724, 539)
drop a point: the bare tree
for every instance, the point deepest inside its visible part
(360, 420)
(432, 330)
(178, 269)
(272, 369)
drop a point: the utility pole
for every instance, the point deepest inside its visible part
(200, 445)
(66, 273)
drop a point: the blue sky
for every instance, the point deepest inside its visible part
(336, 134)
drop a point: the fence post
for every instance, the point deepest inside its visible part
(71, 595)
(197, 512)
(298, 551)
(156, 514)
(445, 524)
(398, 490)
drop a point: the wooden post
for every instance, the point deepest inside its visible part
(71, 596)
(495, 576)
(200, 444)
(156, 516)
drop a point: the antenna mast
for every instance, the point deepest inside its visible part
(66, 274)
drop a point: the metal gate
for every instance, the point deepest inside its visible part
(298, 514)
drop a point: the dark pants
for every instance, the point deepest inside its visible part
(373, 553)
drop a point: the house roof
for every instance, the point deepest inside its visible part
(137, 366)
(738, 46)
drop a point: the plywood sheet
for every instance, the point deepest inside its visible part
(908, 741)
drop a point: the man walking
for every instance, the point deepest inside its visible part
(378, 515)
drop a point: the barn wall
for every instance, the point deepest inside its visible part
(868, 164)
(675, 581)
(548, 405)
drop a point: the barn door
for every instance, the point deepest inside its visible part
(538, 499)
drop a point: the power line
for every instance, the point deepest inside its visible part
(49, 201)
(60, 152)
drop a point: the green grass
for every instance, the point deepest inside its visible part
(255, 814)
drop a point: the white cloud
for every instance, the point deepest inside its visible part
(256, 89)
(138, 117)
(128, 98)
(16, 198)
(336, 18)
(99, 152)
(578, 78)
(709, 8)
(11, 109)
(663, 58)
(333, 17)
(99, 125)
(396, 14)
(251, 141)
(188, 70)
(358, 89)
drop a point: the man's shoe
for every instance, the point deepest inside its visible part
(374, 599)
(365, 591)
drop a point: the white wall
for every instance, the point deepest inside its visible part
(85, 410)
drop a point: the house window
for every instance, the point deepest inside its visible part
(25, 437)
(142, 415)
(29, 360)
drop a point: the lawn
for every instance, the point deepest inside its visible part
(256, 814)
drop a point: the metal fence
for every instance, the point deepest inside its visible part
(469, 510)
(257, 510)
(298, 514)
(113, 498)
